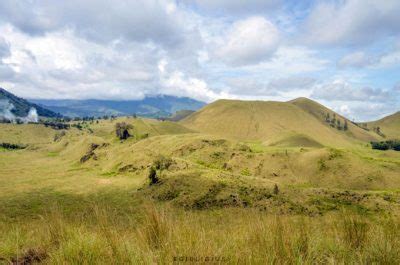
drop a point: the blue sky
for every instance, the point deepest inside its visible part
(344, 54)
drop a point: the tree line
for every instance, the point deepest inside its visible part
(386, 145)
(335, 122)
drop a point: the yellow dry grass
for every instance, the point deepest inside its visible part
(390, 126)
(337, 202)
(269, 121)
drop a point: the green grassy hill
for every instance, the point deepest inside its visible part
(26, 134)
(319, 111)
(180, 115)
(389, 126)
(273, 122)
(219, 191)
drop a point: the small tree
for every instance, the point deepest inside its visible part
(162, 163)
(159, 164)
(328, 117)
(339, 126)
(122, 130)
(333, 120)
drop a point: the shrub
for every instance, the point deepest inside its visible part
(276, 189)
(56, 125)
(12, 146)
(386, 145)
(159, 164)
(122, 130)
(345, 126)
(78, 126)
(162, 162)
(153, 176)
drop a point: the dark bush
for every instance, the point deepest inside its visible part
(386, 145)
(159, 164)
(153, 176)
(57, 125)
(78, 126)
(122, 130)
(12, 146)
(162, 162)
(396, 145)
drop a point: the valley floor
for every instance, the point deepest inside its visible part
(217, 200)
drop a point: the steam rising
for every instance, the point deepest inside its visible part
(32, 116)
(5, 113)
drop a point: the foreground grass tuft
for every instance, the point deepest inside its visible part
(162, 234)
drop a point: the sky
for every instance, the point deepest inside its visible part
(344, 54)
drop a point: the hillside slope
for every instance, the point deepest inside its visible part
(272, 122)
(22, 106)
(389, 126)
(319, 111)
(180, 115)
(73, 210)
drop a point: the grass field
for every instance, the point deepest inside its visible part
(389, 125)
(271, 121)
(236, 200)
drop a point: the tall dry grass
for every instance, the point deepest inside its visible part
(162, 234)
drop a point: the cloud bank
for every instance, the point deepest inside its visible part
(271, 49)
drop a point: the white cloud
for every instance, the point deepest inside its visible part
(360, 59)
(59, 65)
(161, 65)
(292, 82)
(236, 7)
(4, 48)
(6, 72)
(397, 87)
(360, 112)
(345, 110)
(56, 52)
(290, 60)
(278, 87)
(352, 22)
(389, 59)
(206, 49)
(177, 83)
(104, 21)
(357, 59)
(344, 91)
(247, 86)
(248, 41)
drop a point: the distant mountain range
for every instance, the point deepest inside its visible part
(154, 106)
(21, 107)
(151, 106)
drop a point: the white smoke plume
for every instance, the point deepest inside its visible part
(5, 113)
(5, 110)
(32, 116)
